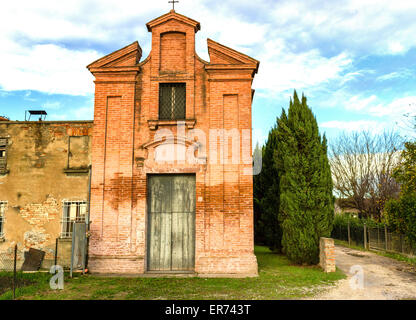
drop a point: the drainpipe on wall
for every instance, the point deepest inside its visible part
(89, 197)
(88, 217)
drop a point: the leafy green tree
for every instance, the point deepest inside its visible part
(405, 172)
(306, 207)
(401, 213)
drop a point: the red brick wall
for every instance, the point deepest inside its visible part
(172, 52)
(123, 155)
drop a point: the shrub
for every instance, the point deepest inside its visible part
(401, 216)
(340, 229)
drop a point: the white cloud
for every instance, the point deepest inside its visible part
(381, 26)
(52, 105)
(395, 109)
(82, 113)
(47, 45)
(356, 125)
(357, 103)
(46, 68)
(397, 115)
(4, 93)
(395, 75)
(282, 70)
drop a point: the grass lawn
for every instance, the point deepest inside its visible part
(278, 279)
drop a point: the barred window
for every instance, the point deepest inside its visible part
(73, 211)
(3, 145)
(172, 101)
(2, 212)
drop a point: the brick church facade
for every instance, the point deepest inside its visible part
(162, 176)
(172, 188)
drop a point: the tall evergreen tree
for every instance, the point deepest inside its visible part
(266, 193)
(258, 194)
(306, 206)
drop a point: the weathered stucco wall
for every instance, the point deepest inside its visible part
(47, 163)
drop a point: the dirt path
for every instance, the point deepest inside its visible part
(382, 278)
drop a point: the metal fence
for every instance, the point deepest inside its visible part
(19, 254)
(69, 253)
(16, 259)
(58, 253)
(7, 260)
(382, 239)
(66, 253)
(378, 238)
(353, 234)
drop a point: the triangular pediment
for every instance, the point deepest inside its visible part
(217, 57)
(172, 15)
(220, 54)
(124, 57)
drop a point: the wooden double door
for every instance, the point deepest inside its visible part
(171, 223)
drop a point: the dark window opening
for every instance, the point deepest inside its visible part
(2, 212)
(172, 101)
(3, 145)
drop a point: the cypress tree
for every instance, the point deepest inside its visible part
(306, 205)
(268, 181)
(258, 194)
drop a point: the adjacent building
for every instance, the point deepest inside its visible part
(44, 173)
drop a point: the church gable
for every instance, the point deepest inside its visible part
(217, 57)
(220, 54)
(172, 15)
(127, 56)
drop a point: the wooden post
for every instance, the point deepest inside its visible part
(378, 237)
(401, 243)
(365, 236)
(349, 233)
(386, 237)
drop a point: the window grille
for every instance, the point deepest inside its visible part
(73, 211)
(172, 101)
(2, 212)
(3, 144)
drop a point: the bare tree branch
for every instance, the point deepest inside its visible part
(362, 166)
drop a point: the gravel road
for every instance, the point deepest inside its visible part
(371, 277)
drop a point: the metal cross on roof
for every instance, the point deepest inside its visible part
(173, 3)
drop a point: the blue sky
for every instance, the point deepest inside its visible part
(353, 59)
